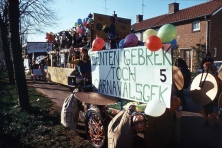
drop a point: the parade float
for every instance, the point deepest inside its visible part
(135, 77)
(128, 76)
(132, 82)
(67, 44)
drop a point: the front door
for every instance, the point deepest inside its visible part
(186, 54)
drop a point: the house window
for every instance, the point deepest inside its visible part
(196, 26)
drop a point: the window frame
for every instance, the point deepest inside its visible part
(194, 26)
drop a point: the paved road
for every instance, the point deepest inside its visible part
(193, 134)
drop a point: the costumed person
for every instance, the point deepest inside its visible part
(175, 110)
(112, 33)
(208, 108)
(138, 123)
(84, 64)
(207, 59)
(43, 74)
(181, 64)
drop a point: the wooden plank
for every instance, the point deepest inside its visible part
(59, 75)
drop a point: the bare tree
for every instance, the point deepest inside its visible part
(4, 24)
(17, 54)
(36, 15)
(24, 15)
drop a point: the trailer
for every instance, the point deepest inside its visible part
(123, 79)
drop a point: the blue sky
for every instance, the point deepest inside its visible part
(71, 10)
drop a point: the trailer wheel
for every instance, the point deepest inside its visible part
(94, 127)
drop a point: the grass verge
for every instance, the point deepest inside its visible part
(40, 127)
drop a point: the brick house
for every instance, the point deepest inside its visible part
(197, 26)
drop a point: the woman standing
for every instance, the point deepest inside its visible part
(181, 64)
(208, 108)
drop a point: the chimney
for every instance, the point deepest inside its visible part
(173, 7)
(114, 14)
(139, 18)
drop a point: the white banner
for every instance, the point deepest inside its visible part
(39, 47)
(134, 73)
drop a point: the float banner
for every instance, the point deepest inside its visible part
(39, 47)
(134, 73)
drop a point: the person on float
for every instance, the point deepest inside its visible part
(208, 108)
(112, 33)
(138, 123)
(84, 72)
(84, 64)
(175, 109)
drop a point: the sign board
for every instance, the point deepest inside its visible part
(134, 73)
(39, 47)
(119, 27)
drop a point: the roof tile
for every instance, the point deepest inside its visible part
(196, 11)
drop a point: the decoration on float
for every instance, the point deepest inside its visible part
(153, 43)
(90, 15)
(105, 28)
(131, 40)
(79, 29)
(121, 42)
(87, 31)
(90, 21)
(148, 33)
(167, 33)
(79, 21)
(85, 21)
(50, 37)
(99, 26)
(173, 44)
(97, 44)
(155, 108)
(76, 24)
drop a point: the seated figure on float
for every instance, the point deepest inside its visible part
(83, 65)
(82, 68)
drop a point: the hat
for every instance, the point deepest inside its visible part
(95, 98)
(208, 64)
